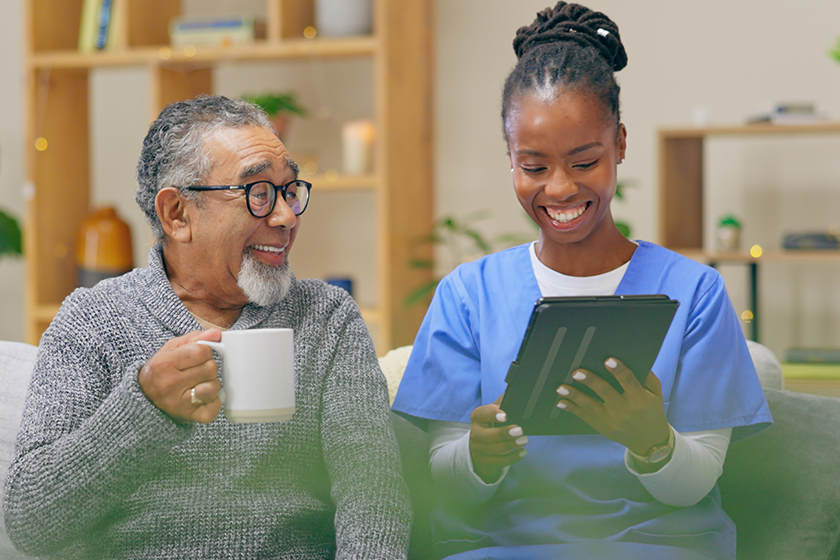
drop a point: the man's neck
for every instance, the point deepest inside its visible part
(198, 300)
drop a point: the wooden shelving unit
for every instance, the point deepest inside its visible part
(681, 176)
(681, 160)
(57, 118)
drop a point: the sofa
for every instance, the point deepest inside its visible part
(780, 487)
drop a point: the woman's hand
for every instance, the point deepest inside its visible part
(491, 448)
(635, 418)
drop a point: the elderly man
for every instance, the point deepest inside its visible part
(122, 452)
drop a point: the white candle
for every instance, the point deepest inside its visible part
(357, 142)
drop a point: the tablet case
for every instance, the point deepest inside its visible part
(570, 333)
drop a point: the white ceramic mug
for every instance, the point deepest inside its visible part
(258, 374)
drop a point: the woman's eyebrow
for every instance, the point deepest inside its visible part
(583, 148)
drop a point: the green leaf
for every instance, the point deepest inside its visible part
(478, 239)
(420, 294)
(277, 103)
(10, 236)
(835, 52)
(421, 263)
(623, 228)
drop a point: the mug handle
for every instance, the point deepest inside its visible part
(219, 348)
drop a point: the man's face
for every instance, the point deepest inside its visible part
(225, 234)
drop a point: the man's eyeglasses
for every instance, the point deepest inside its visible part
(262, 195)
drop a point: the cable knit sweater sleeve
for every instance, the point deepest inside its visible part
(360, 449)
(89, 438)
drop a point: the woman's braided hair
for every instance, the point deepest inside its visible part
(568, 46)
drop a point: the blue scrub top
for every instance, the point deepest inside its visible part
(574, 492)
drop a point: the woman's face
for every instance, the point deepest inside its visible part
(563, 155)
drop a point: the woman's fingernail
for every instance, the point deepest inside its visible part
(579, 375)
(561, 404)
(522, 441)
(522, 453)
(501, 417)
(610, 363)
(515, 432)
(563, 391)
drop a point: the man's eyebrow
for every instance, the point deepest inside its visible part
(293, 166)
(254, 169)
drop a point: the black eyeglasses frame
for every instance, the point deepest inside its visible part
(247, 188)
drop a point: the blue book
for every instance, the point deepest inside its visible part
(102, 22)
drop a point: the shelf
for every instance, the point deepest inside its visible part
(58, 108)
(323, 182)
(750, 129)
(681, 160)
(827, 256)
(166, 56)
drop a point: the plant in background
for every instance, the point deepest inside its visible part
(10, 236)
(623, 227)
(275, 104)
(462, 243)
(279, 107)
(835, 52)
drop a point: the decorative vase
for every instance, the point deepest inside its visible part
(103, 247)
(339, 18)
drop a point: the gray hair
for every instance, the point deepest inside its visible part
(173, 152)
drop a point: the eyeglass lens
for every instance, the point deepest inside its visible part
(261, 198)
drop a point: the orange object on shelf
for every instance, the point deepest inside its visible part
(103, 247)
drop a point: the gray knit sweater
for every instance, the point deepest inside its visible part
(100, 472)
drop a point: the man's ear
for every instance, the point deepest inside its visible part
(171, 209)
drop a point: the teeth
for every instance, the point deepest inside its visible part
(268, 248)
(568, 215)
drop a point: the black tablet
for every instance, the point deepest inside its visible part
(570, 333)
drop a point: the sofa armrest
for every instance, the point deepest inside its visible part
(781, 487)
(16, 363)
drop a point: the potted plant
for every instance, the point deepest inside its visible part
(10, 236)
(462, 243)
(279, 107)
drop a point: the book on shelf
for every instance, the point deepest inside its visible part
(212, 31)
(88, 28)
(813, 355)
(98, 29)
(103, 20)
(790, 114)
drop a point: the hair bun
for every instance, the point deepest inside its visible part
(576, 23)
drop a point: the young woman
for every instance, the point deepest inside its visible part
(645, 487)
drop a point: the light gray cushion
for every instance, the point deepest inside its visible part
(781, 486)
(16, 363)
(767, 365)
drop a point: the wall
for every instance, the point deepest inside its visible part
(11, 161)
(730, 58)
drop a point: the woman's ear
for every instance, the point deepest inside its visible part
(622, 141)
(171, 209)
